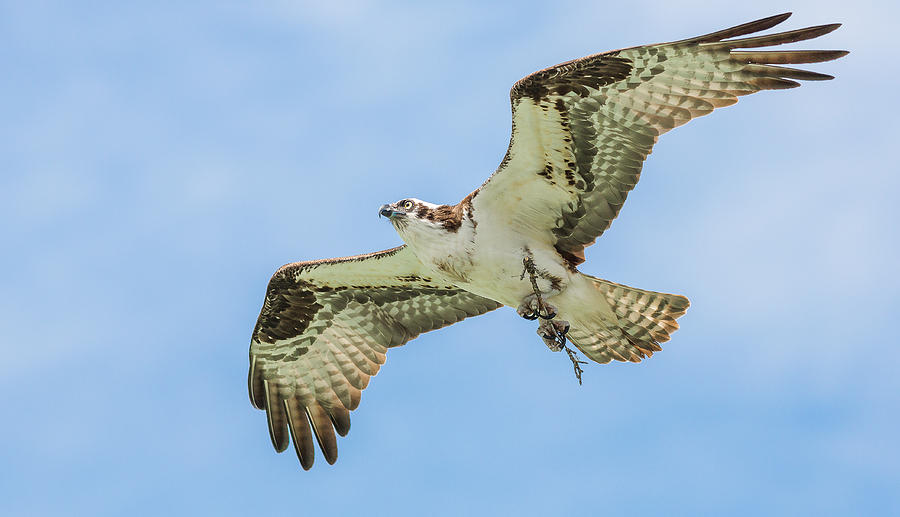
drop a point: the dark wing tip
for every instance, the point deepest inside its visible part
(773, 83)
(739, 30)
(769, 57)
(770, 21)
(300, 433)
(324, 431)
(251, 380)
(768, 40)
(277, 419)
(786, 73)
(340, 418)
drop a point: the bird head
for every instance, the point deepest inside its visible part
(414, 215)
(404, 208)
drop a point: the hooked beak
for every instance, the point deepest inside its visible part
(386, 211)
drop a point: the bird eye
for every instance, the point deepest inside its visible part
(407, 205)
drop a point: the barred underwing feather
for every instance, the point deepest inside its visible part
(324, 330)
(300, 432)
(783, 71)
(787, 56)
(340, 417)
(276, 418)
(776, 39)
(323, 431)
(773, 83)
(599, 106)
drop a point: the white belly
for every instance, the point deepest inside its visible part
(499, 273)
(489, 263)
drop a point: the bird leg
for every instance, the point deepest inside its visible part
(534, 305)
(552, 331)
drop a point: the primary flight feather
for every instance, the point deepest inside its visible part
(580, 134)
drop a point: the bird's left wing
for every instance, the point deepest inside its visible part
(582, 129)
(323, 331)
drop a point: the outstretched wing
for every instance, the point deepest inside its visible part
(323, 331)
(582, 129)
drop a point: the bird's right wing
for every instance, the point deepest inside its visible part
(323, 331)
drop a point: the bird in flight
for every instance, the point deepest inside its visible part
(581, 131)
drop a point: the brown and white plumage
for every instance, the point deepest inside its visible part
(324, 329)
(581, 131)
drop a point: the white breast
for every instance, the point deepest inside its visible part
(483, 259)
(447, 253)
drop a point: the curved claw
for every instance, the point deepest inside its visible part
(546, 332)
(553, 344)
(527, 312)
(561, 326)
(533, 308)
(551, 312)
(554, 333)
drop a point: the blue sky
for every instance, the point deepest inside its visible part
(161, 161)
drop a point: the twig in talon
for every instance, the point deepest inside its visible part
(575, 363)
(533, 273)
(529, 268)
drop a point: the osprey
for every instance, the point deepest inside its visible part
(581, 131)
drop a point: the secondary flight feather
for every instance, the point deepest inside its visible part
(580, 134)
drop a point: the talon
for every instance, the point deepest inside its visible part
(527, 314)
(550, 333)
(561, 327)
(546, 332)
(552, 344)
(550, 312)
(554, 335)
(527, 311)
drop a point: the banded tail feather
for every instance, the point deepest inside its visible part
(631, 326)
